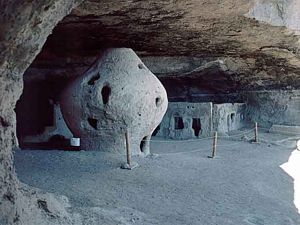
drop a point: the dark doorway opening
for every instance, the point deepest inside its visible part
(232, 117)
(143, 144)
(35, 112)
(196, 125)
(179, 125)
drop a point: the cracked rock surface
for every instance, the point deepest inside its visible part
(255, 40)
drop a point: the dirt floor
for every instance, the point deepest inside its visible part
(178, 185)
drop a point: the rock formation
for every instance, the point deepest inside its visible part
(117, 94)
(194, 34)
(24, 28)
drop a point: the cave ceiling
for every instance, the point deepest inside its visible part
(227, 45)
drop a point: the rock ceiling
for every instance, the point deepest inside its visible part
(243, 44)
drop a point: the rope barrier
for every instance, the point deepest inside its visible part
(279, 141)
(200, 139)
(252, 137)
(287, 132)
(246, 132)
(280, 132)
(224, 136)
(178, 141)
(176, 153)
(196, 150)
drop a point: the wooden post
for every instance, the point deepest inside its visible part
(128, 150)
(214, 144)
(256, 133)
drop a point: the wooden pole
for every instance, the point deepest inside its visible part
(256, 133)
(214, 144)
(128, 150)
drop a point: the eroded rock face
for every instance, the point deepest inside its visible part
(241, 33)
(278, 13)
(24, 27)
(274, 107)
(117, 94)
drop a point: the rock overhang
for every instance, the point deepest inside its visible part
(256, 53)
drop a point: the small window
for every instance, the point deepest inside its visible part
(178, 123)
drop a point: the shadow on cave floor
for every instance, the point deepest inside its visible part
(245, 184)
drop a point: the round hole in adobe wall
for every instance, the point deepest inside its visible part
(141, 66)
(158, 101)
(93, 123)
(143, 144)
(93, 79)
(105, 92)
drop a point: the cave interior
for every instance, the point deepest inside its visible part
(219, 78)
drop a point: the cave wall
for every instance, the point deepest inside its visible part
(25, 25)
(278, 13)
(274, 107)
(231, 50)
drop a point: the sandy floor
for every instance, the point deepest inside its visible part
(243, 185)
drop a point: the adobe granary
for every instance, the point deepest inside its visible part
(118, 94)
